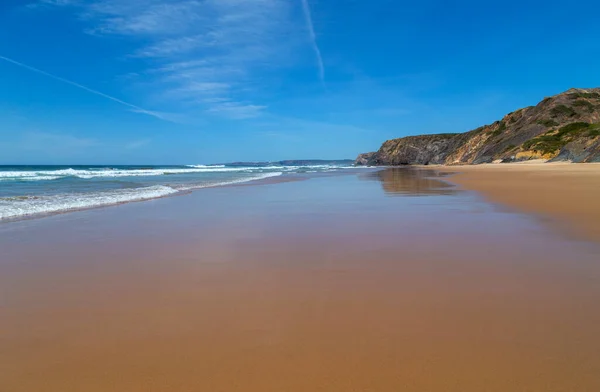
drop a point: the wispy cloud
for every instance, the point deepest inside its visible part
(42, 3)
(168, 47)
(132, 107)
(203, 56)
(237, 110)
(148, 17)
(313, 37)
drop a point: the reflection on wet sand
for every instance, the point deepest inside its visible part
(318, 285)
(398, 181)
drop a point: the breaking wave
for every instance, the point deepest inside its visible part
(25, 206)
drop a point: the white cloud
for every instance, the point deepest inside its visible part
(171, 117)
(313, 39)
(132, 107)
(147, 17)
(169, 47)
(237, 110)
(183, 65)
(42, 3)
(205, 52)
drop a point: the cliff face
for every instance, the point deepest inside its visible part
(365, 159)
(562, 127)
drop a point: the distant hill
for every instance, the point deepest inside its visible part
(560, 128)
(294, 162)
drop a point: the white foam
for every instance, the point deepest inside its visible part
(48, 175)
(232, 182)
(105, 173)
(16, 207)
(205, 166)
(25, 206)
(39, 178)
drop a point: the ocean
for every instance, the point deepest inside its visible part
(30, 191)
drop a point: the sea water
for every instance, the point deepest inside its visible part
(29, 191)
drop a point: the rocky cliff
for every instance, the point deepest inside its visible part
(563, 127)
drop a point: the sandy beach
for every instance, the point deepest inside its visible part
(299, 196)
(370, 281)
(565, 195)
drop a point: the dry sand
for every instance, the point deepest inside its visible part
(563, 193)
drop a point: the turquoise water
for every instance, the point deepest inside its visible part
(27, 191)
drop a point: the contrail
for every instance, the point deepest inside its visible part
(313, 37)
(135, 108)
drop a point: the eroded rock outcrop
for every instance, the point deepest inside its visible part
(563, 127)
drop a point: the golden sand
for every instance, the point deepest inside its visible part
(565, 193)
(345, 290)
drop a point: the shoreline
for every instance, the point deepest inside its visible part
(176, 192)
(274, 178)
(561, 193)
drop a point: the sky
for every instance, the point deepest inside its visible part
(209, 81)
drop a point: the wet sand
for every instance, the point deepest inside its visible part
(374, 281)
(566, 195)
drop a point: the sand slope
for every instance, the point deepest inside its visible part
(562, 192)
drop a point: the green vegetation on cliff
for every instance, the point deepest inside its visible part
(552, 141)
(565, 126)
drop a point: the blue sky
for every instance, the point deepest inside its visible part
(200, 81)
